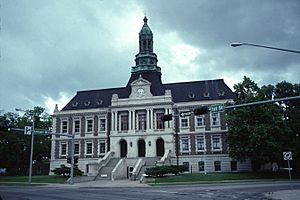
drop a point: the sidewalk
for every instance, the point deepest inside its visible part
(285, 195)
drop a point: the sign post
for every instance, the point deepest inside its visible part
(288, 156)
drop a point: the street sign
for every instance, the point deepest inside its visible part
(287, 155)
(217, 108)
(27, 130)
(185, 114)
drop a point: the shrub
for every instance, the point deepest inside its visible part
(66, 171)
(163, 170)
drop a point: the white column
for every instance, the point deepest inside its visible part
(116, 121)
(151, 118)
(113, 120)
(147, 119)
(129, 120)
(133, 120)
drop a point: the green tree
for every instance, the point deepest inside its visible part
(15, 146)
(255, 132)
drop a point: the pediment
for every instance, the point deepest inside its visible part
(140, 82)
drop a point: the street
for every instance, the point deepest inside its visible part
(250, 190)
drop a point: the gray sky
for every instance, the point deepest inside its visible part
(51, 49)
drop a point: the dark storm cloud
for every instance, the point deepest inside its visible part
(213, 25)
(50, 48)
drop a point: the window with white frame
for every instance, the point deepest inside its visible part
(160, 124)
(63, 148)
(142, 122)
(102, 125)
(64, 126)
(89, 148)
(216, 143)
(76, 126)
(200, 143)
(185, 144)
(102, 147)
(200, 121)
(76, 148)
(215, 120)
(184, 122)
(89, 125)
(124, 123)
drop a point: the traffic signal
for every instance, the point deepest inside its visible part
(167, 117)
(70, 161)
(75, 159)
(201, 111)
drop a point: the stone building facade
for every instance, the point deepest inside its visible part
(124, 124)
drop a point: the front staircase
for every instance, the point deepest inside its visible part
(105, 172)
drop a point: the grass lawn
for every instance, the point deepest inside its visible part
(34, 179)
(219, 177)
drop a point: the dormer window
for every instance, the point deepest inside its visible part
(87, 103)
(221, 93)
(191, 95)
(75, 104)
(206, 94)
(100, 102)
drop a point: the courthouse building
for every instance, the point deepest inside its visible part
(119, 131)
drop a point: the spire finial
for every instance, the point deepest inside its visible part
(56, 109)
(145, 20)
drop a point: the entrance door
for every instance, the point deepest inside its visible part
(160, 147)
(123, 148)
(141, 148)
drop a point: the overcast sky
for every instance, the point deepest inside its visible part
(50, 49)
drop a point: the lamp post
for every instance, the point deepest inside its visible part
(31, 146)
(238, 44)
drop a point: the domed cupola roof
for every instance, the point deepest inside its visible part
(145, 29)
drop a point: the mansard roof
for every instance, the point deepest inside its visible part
(181, 92)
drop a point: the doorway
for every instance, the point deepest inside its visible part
(160, 147)
(141, 148)
(123, 148)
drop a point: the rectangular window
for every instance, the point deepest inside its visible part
(184, 122)
(124, 122)
(185, 144)
(142, 122)
(159, 123)
(217, 166)
(76, 126)
(200, 145)
(216, 142)
(89, 125)
(201, 166)
(233, 165)
(63, 149)
(187, 165)
(89, 148)
(64, 128)
(200, 121)
(102, 147)
(215, 119)
(76, 149)
(102, 127)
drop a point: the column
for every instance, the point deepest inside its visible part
(113, 121)
(133, 120)
(129, 120)
(147, 119)
(151, 118)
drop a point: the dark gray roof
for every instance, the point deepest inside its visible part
(181, 92)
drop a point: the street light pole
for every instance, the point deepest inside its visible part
(238, 44)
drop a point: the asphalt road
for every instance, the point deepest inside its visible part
(209, 191)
